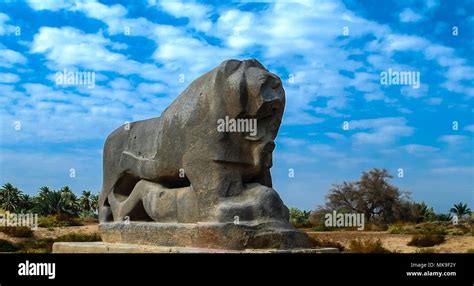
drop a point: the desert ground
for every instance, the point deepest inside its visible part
(396, 242)
(393, 242)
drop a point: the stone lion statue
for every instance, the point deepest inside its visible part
(182, 167)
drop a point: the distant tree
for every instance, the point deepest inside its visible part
(63, 202)
(460, 210)
(372, 195)
(43, 191)
(299, 218)
(85, 201)
(26, 203)
(10, 197)
(442, 217)
(94, 203)
(421, 212)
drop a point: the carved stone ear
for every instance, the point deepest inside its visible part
(229, 66)
(254, 63)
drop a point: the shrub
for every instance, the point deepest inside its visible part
(400, 228)
(79, 237)
(322, 227)
(43, 245)
(424, 228)
(470, 250)
(426, 240)
(17, 231)
(426, 250)
(328, 243)
(376, 227)
(88, 217)
(58, 221)
(368, 246)
(457, 231)
(33, 250)
(7, 246)
(299, 218)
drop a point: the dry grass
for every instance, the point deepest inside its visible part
(396, 242)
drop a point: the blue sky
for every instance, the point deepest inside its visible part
(329, 54)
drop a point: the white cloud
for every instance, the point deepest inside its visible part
(68, 47)
(419, 149)
(469, 128)
(153, 88)
(382, 130)
(454, 140)
(324, 150)
(410, 16)
(409, 91)
(5, 29)
(292, 142)
(434, 101)
(454, 170)
(8, 78)
(50, 5)
(198, 14)
(9, 58)
(335, 136)
(120, 83)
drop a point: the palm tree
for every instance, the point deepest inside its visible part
(26, 202)
(95, 203)
(9, 197)
(63, 201)
(85, 201)
(54, 203)
(423, 212)
(460, 210)
(43, 191)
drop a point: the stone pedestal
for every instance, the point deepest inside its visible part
(103, 247)
(236, 236)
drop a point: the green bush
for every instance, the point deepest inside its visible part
(322, 227)
(368, 246)
(7, 246)
(33, 250)
(42, 245)
(17, 231)
(58, 221)
(79, 237)
(426, 250)
(88, 217)
(400, 228)
(470, 250)
(423, 228)
(299, 218)
(426, 240)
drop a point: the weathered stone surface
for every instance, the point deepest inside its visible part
(263, 234)
(182, 180)
(103, 247)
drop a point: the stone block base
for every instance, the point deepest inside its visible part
(269, 234)
(103, 247)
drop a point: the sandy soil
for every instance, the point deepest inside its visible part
(42, 232)
(397, 242)
(393, 242)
